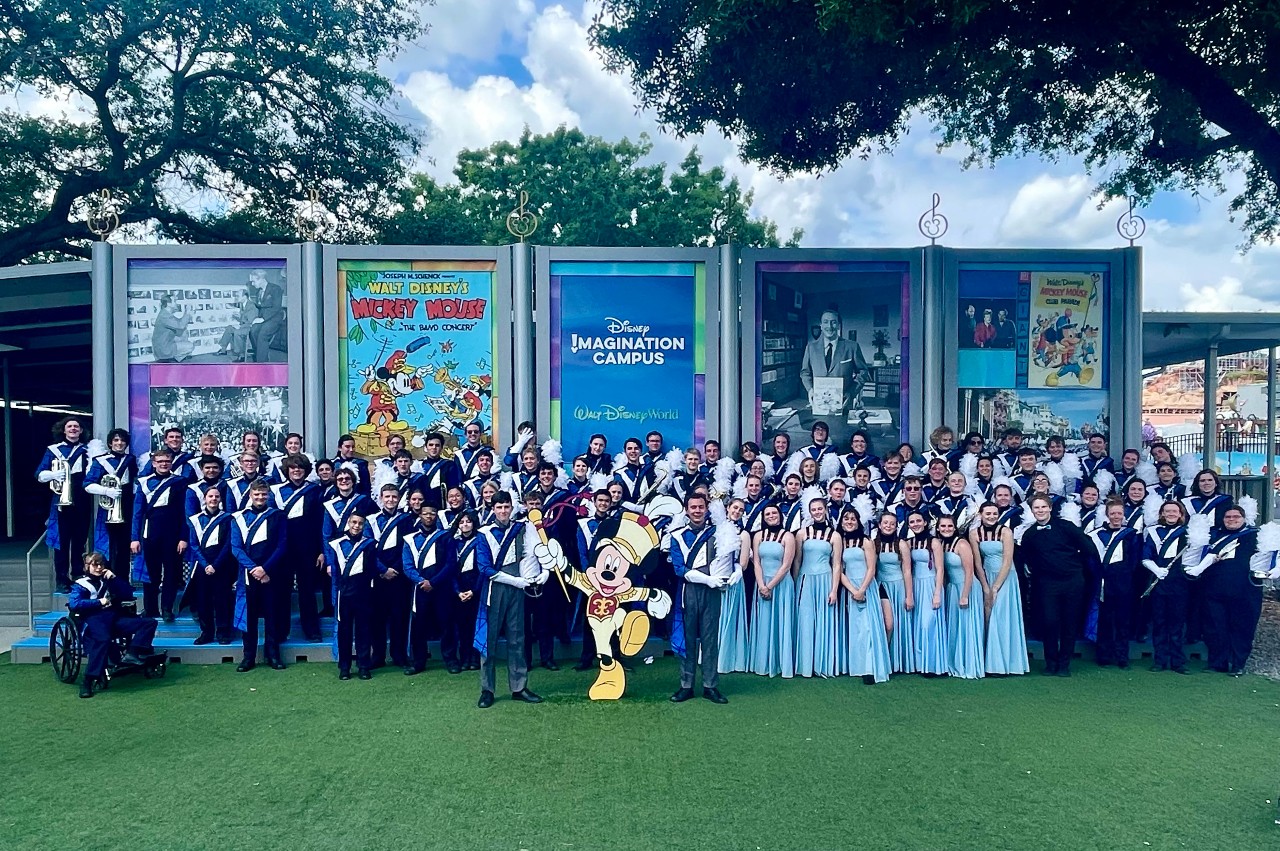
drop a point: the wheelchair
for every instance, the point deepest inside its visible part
(67, 654)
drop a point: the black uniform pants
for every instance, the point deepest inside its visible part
(429, 615)
(164, 566)
(391, 601)
(118, 556)
(73, 533)
(1113, 622)
(1060, 603)
(1169, 623)
(299, 565)
(215, 600)
(540, 623)
(1229, 625)
(354, 613)
(262, 605)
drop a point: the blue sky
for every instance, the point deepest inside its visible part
(488, 68)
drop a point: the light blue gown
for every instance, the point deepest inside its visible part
(815, 618)
(966, 640)
(1006, 635)
(866, 647)
(733, 629)
(902, 657)
(773, 633)
(930, 635)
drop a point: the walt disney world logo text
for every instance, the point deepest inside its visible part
(615, 413)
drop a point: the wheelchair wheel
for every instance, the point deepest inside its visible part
(64, 650)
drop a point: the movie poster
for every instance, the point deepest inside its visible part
(415, 351)
(208, 348)
(1066, 340)
(628, 352)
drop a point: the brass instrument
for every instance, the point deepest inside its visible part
(62, 488)
(113, 506)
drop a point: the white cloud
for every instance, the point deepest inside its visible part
(1227, 295)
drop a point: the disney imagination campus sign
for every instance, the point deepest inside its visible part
(626, 343)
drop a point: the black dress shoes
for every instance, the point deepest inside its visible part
(86, 687)
(344, 675)
(276, 664)
(526, 696)
(365, 674)
(246, 665)
(486, 700)
(714, 695)
(682, 694)
(551, 665)
(202, 639)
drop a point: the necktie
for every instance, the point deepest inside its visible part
(830, 349)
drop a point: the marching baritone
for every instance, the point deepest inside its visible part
(110, 481)
(63, 469)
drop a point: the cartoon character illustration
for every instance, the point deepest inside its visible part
(460, 402)
(1066, 337)
(625, 549)
(385, 385)
(1089, 346)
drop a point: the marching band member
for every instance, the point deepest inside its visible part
(1120, 549)
(955, 502)
(258, 540)
(214, 570)
(1010, 512)
(112, 539)
(773, 625)
(912, 500)
(928, 577)
(192, 470)
(346, 457)
(1232, 600)
(174, 440)
(1206, 497)
(466, 589)
(753, 504)
(455, 503)
(499, 556)
(711, 457)
(1010, 446)
(598, 460)
(1024, 472)
(859, 454)
(428, 563)
(888, 488)
(68, 523)
(685, 479)
(211, 468)
(300, 501)
(392, 590)
(526, 438)
(438, 473)
(469, 452)
(965, 598)
(942, 444)
(1162, 556)
(386, 466)
(95, 597)
(935, 483)
(639, 481)
(159, 535)
(1130, 470)
(748, 453)
(776, 463)
(339, 508)
(696, 561)
(1096, 458)
(1167, 485)
(1058, 556)
(352, 565)
(483, 463)
(525, 478)
(837, 504)
(788, 502)
(237, 496)
(982, 487)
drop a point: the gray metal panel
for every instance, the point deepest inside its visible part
(524, 394)
(103, 338)
(313, 351)
(730, 426)
(502, 365)
(122, 254)
(750, 347)
(936, 359)
(710, 257)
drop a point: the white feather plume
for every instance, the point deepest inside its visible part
(723, 472)
(1269, 537)
(1100, 515)
(728, 541)
(529, 567)
(1070, 512)
(619, 461)
(1057, 481)
(740, 488)
(1072, 469)
(507, 480)
(911, 468)
(385, 475)
(969, 465)
(1105, 481)
(1151, 509)
(675, 459)
(1147, 472)
(96, 447)
(1188, 467)
(793, 463)
(719, 514)
(865, 507)
(1028, 520)
(599, 481)
(807, 496)
(562, 478)
(874, 470)
(1249, 506)
(553, 452)
(663, 506)
(829, 467)
(1198, 528)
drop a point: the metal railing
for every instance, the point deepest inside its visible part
(31, 598)
(1227, 442)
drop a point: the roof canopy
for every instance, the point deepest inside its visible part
(1176, 337)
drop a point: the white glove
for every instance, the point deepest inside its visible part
(700, 578)
(541, 578)
(46, 476)
(99, 490)
(114, 493)
(513, 581)
(522, 437)
(660, 606)
(735, 577)
(550, 555)
(1202, 566)
(1160, 572)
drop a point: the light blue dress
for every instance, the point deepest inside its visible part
(930, 624)
(966, 650)
(866, 647)
(733, 629)
(902, 657)
(773, 633)
(815, 618)
(1006, 636)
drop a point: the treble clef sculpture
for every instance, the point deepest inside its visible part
(1129, 226)
(103, 220)
(520, 221)
(932, 223)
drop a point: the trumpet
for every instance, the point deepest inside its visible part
(113, 506)
(62, 488)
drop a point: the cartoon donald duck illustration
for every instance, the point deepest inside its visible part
(625, 549)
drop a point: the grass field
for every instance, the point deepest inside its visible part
(207, 758)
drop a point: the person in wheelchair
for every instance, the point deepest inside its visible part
(95, 601)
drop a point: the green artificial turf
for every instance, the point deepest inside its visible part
(207, 758)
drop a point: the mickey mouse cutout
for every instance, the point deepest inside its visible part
(625, 549)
